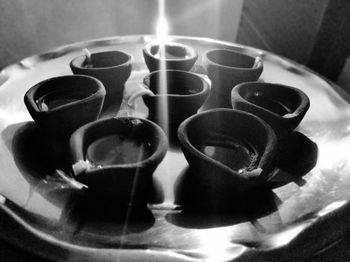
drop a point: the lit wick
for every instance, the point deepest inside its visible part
(257, 62)
(87, 53)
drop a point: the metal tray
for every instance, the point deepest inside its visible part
(45, 212)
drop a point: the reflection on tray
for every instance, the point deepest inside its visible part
(203, 207)
(297, 156)
(266, 217)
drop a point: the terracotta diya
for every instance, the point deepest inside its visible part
(171, 96)
(112, 68)
(116, 157)
(169, 56)
(229, 151)
(61, 104)
(227, 68)
(282, 107)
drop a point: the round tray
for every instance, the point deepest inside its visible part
(45, 212)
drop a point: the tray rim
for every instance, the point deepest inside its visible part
(3, 71)
(54, 245)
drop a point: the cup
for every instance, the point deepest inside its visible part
(61, 104)
(112, 68)
(282, 107)
(227, 68)
(116, 157)
(229, 151)
(171, 96)
(169, 56)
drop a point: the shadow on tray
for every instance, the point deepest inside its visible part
(104, 218)
(203, 207)
(44, 164)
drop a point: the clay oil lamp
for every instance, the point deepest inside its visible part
(112, 68)
(282, 107)
(169, 55)
(171, 96)
(228, 151)
(116, 157)
(61, 104)
(227, 68)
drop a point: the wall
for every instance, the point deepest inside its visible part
(315, 33)
(288, 27)
(32, 26)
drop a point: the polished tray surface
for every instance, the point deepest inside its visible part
(44, 211)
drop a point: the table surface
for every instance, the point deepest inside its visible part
(46, 212)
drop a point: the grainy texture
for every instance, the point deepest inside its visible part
(290, 223)
(34, 26)
(315, 33)
(332, 45)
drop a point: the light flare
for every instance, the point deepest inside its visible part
(288, 235)
(333, 154)
(216, 245)
(162, 38)
(162, 30)
(331, 207)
